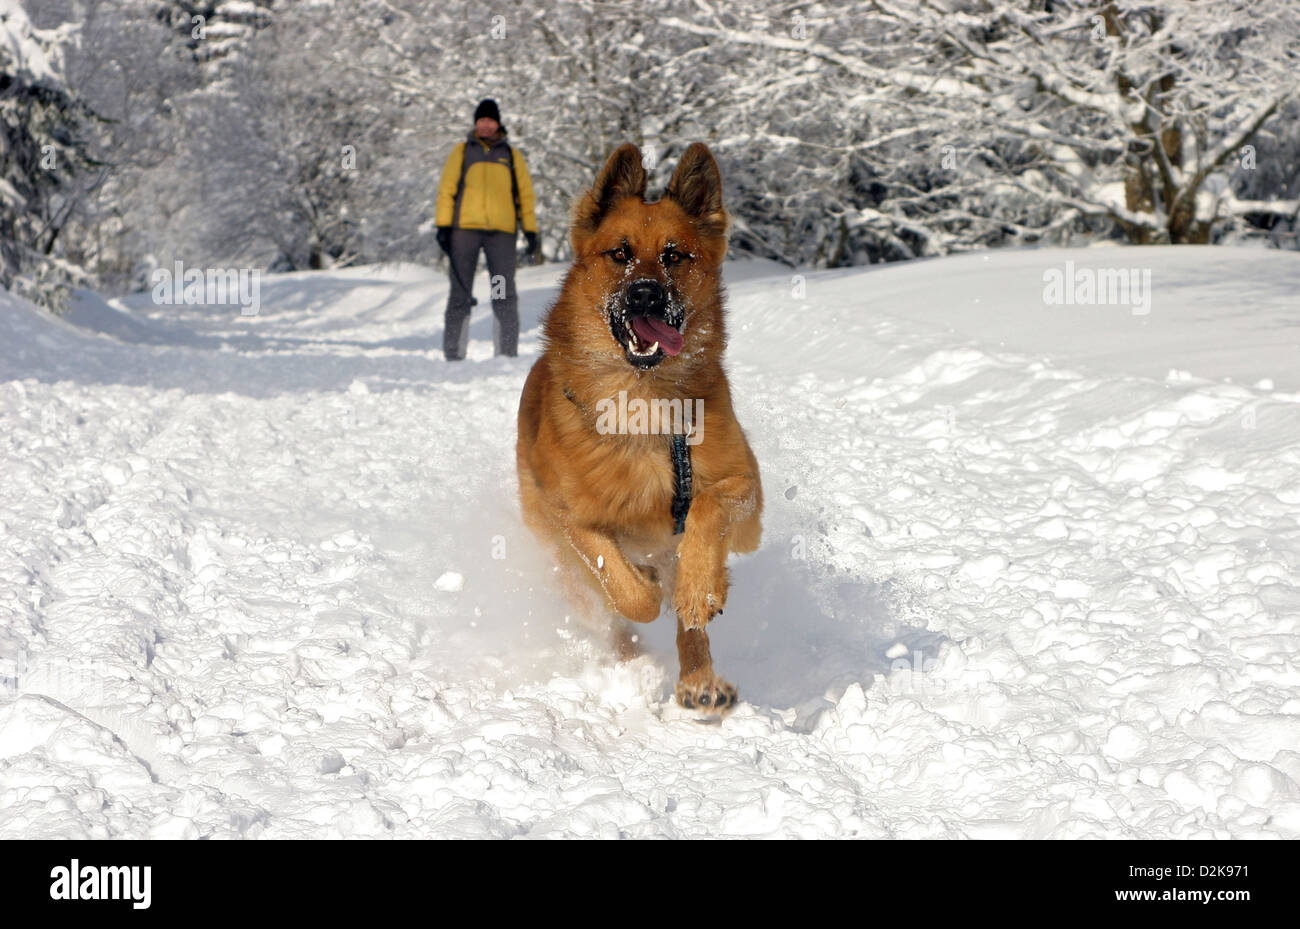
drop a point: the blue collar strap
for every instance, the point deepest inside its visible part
(681, 483)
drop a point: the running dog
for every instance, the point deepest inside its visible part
(639, 509)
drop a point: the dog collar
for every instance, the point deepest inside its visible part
(681, 455)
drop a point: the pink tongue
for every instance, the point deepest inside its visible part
(651, 330)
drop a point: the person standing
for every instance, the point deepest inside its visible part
(484, 196)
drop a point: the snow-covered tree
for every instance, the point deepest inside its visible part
(216, 32)
(1052, 112)
(41, 154)
(300, 134)
(138, 138)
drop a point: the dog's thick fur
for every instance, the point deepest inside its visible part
(603, 501)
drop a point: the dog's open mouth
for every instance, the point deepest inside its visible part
(646, 339)
(649, 333)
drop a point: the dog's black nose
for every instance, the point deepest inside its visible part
(646, 296)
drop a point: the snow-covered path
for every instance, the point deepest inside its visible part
(266, 577)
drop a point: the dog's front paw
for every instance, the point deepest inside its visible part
(698, 598)
(704, 691)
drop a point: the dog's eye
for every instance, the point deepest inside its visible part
(673, 257)
(622, 254)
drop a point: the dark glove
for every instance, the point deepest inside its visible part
(444, 239)
(534, 246)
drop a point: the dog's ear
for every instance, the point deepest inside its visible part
(697, 188)
(623, 176)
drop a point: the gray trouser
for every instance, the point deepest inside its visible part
(499, 248)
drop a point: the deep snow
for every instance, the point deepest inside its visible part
(1027, 570)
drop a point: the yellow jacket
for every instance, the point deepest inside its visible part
(487, 200)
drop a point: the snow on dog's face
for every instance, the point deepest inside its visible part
(651, 270)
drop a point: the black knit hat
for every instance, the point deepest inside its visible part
(489, 109)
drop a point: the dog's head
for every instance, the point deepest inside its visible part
(652, 269)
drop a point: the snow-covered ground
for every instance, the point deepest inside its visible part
(1028, 570)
